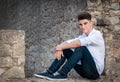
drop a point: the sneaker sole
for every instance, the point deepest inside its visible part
(40, 76)
(56, 79)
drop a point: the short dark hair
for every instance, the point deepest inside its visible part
(84, 15)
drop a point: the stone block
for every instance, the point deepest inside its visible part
(21, 61)
(108, 36)
(17, 80)
(113, 1)
(114, 20)
(69, 80)
(117, 28)
(6, 62)
(117, 79)
(14, 72)
(114, 12)
(2, 80)
(5, 50)
(115, 6)
(11, 36)
(19, 49)
(2, 71)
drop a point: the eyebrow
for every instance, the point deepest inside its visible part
(83, 23)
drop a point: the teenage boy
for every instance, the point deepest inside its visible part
(87, 58)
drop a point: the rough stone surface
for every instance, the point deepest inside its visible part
(47, 23)
(12, 54)
(4, 48)
(1, 71)
(115, 6)
(114, 20)
(44, 80)
(6, 62)
(14, 72)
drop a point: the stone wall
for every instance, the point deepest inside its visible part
(12, 54)
(109, 12)
(49, 22)
(45, 22)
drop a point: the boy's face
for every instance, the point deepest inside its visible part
(86, 26)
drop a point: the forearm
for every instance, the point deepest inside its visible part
(66, 45)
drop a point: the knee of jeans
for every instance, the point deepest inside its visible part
(92, 76)
(80, 48)
(67, 52)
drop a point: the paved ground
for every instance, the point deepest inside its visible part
(34, 79)
(73, 79)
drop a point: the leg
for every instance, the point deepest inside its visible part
(58, 63)
(55, 65)
(88, 68)
(71, 62)
(57, 76)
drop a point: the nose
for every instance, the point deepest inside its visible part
(82, 26)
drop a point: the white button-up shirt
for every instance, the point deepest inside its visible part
(95, 44)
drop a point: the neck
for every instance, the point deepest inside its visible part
(89, 31)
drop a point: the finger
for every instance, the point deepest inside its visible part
(62, 53)
(55, 56)
(58, 57)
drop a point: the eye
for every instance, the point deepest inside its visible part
(80, 24)
(85, 23)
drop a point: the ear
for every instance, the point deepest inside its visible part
(92, 23)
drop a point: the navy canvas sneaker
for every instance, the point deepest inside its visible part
(43, 75)
(57, 76)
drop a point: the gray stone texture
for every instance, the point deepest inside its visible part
(47, 23)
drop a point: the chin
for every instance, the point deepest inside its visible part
(85, 32)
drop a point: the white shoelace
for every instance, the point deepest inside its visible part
(56, 73)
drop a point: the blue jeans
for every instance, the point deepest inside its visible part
(87, 69)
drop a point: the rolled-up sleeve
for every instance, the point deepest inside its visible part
(85, 41)
(90, 40)
(71, 40)
(93, 39)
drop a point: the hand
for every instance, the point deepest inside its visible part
(59, 54)
(58, 47)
